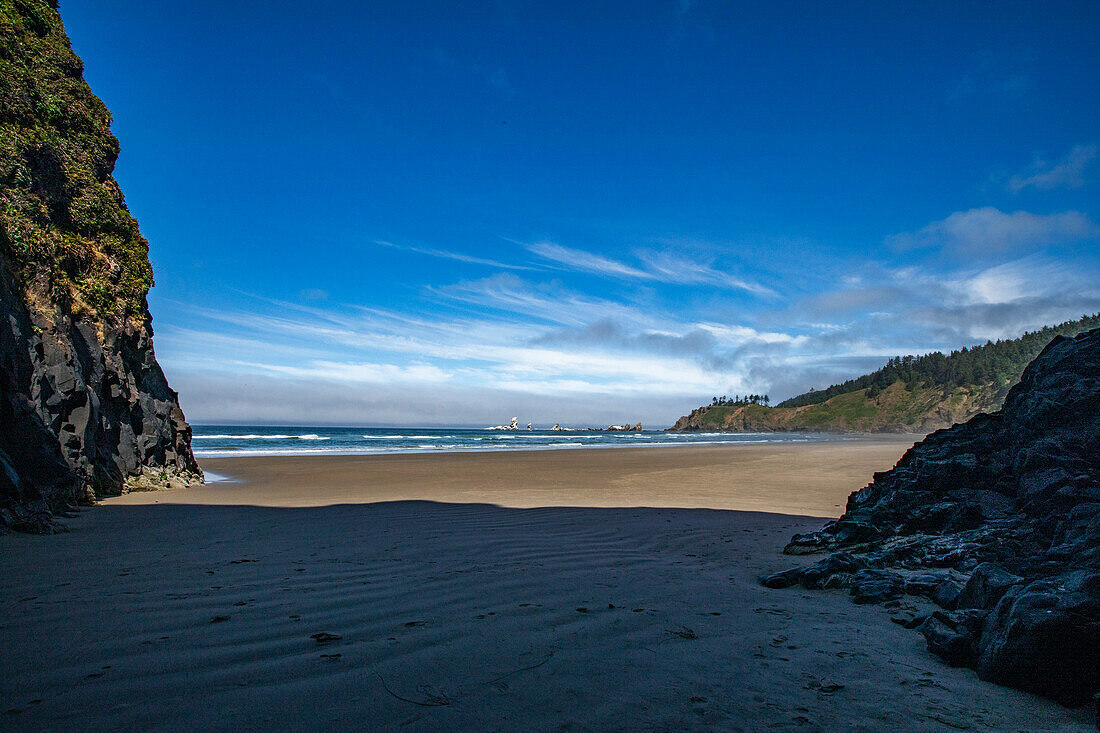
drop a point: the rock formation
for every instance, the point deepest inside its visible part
(84, 408)
(514, 425)
(997, 521)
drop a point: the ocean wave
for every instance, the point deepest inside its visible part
(243, 437)
(256, 436)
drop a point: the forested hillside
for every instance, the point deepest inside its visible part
(916, 394)
(997, 363)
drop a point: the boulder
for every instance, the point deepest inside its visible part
(1045, 637)
(875, 586)
(953, 636)
(925, 583)
(946, 595)
(986, 586)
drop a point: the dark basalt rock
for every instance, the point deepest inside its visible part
(985, 587)
(997, 520)
(1046, 630)
(85, 409)
(875, 586)
(953, 636)
(946, 595)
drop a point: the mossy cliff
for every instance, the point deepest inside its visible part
(85, 409)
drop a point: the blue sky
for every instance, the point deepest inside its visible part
(452, 213)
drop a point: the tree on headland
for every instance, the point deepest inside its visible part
(740, 401)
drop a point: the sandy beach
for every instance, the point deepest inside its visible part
(559, 590)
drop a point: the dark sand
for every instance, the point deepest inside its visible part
(559, 590)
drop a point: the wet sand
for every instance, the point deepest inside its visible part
(790, 478)
(558, 590)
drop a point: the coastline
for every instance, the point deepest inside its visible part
(251, 441)
(756, 477)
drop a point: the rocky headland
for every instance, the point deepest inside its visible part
(997, 523)
(895, 409)
(85, 409)
(910, 394)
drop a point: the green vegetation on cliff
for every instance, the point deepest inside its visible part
(65, 231)
(85, 410)
(910, 394)
(998, 364)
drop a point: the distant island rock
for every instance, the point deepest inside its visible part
(911, 394)
(514, 425)
(625, 428)
(85, 410)
(998, 522)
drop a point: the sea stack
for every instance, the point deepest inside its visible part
(85, 409)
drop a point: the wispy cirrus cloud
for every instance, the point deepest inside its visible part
(581, 261)
(990, 231)
(356, 371)
(457, 256)
(1066, 173)
(657, 266)
(668, 267)
(546, 302)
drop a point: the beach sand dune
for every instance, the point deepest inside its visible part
(182, 612)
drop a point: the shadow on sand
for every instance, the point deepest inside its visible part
(456, 616)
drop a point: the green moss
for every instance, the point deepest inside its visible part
(63, 221)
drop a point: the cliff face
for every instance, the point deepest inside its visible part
(998, 522)
(85, 409)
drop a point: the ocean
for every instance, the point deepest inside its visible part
(237, 440)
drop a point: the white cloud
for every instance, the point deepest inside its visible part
(990, 231)
(581, 261)
(356, 372)
(1018, 280)
(744, 334)
(1068, 172)
(672, 268)
(662, 267)
(457, 256)
(548, 303)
